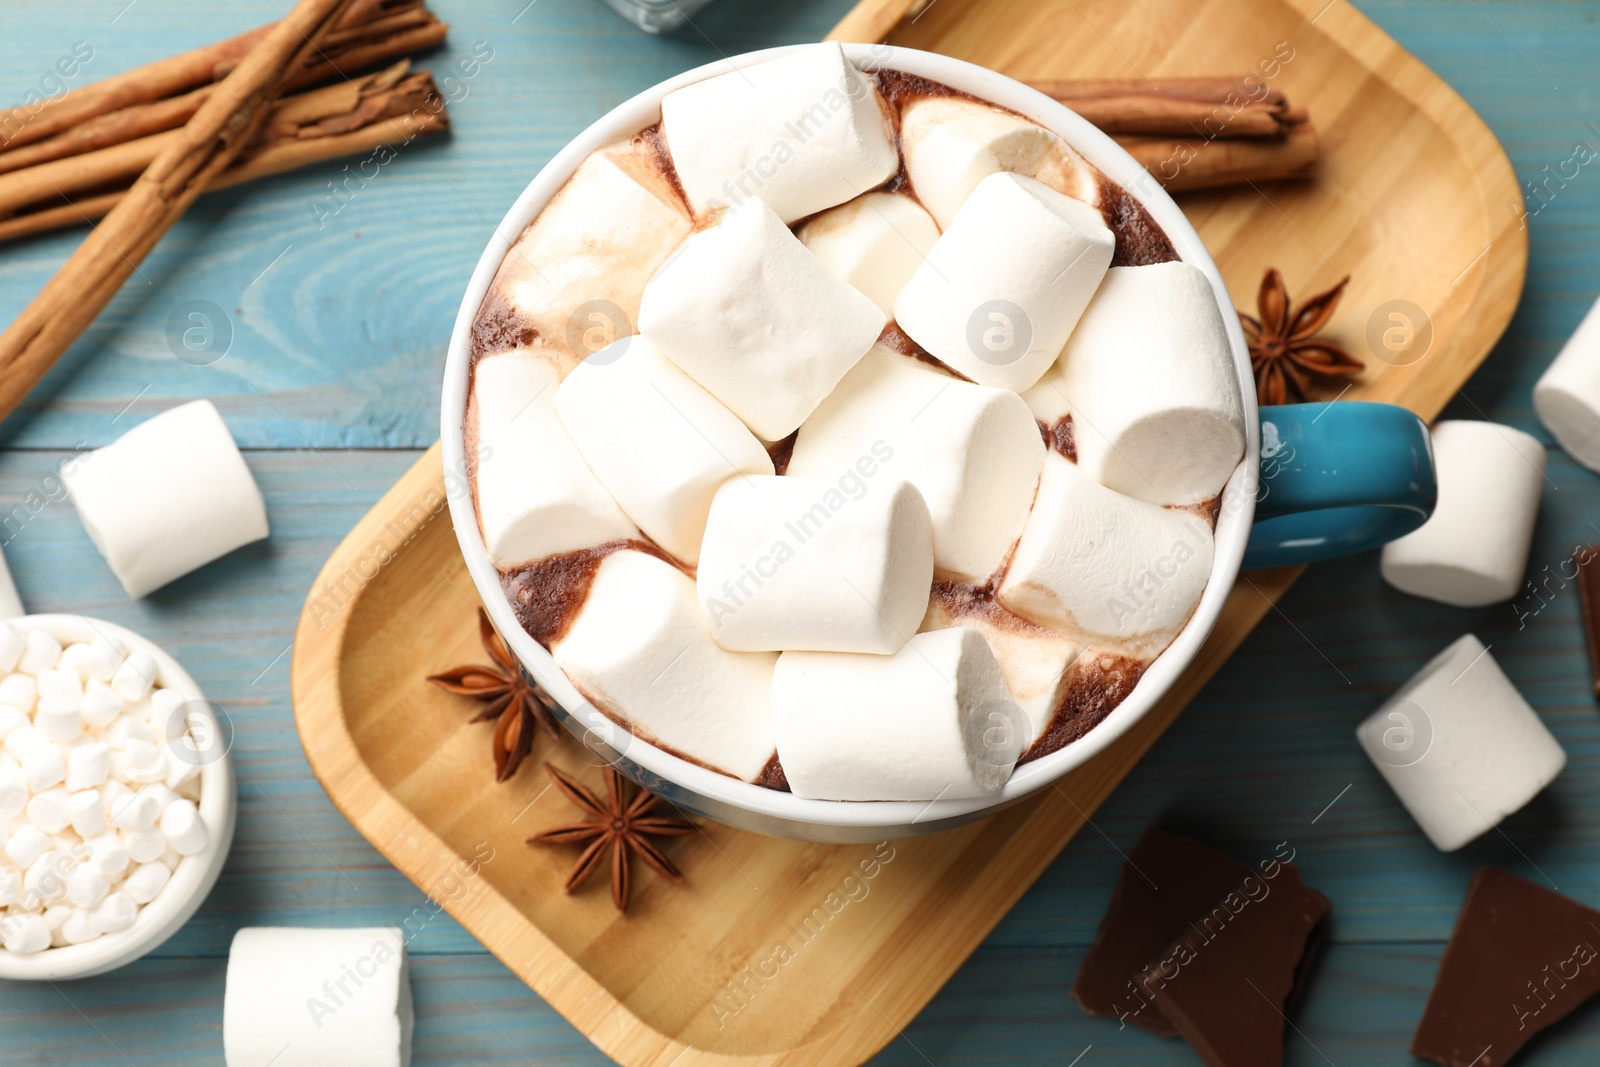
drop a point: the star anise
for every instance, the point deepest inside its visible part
(508, 696)
(1284, 350)
(620, 826)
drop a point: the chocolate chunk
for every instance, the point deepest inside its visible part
(1586, 562)
(1226, 982)
(1519, 960)
(1168, 881)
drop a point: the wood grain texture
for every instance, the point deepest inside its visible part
(343, 338)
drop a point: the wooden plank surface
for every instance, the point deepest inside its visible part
(337, 346)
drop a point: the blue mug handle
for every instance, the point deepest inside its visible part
(1337, 479)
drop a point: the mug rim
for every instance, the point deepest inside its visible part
(771, 806)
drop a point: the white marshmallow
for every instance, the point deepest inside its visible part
(11, 719)
(1156, 412)
(951, 144)
(116, 912)
(353, 981)
(77, 658)
(641, 652)
(570, 285)
(1567, 395)
(803, 132)
(108, 852)
(135, 677)
(1106, 568)
(973, 452)
(875, 242)
(126, 729)
(114, 793)
(137, 812)
(24, 741)
(933, 721)
(145, 881)
(183, 828)
(756, 319)
(60, 685)
(48, 811)
(181, 773)
(57, 720)
(1047, 397)
(79, 928)
(658, 442)
(46, 880)
(88, 885)
(1003, 288)
(19, 690)
(536, 495)
(792, 562)
(1460, 746)
(141, 762)
(25, 934)
(167, 497)
(1473, 550)
(1036, 662)
(40, 652)
(10, 886)
(12, 644)
(26, 844)
(88, 764)
(105, 656)
(87, 813)
(143, 845)
(13, 790)
(43, 767)
(170, 858)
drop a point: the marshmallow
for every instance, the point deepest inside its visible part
(13, 791)
(169, 496)
(1473, 550)
(116, 912)
(127, 729)
(79, 928)
(87, 812)
(105, 656)
(25, 934)
(1035, 662)
(306, 998)
(793, 563)
(88, 885)
(10, 886)
(658, 442)
(12, 644)
(55, 917)
(875, 242)
(918, 725)
(76, 658)
(19, 690)
(570, 284)
(1106, 568)
(145, 881)
(49, 810)
(107, 852)
(757, 320)
(951, 144)
(46, 880)
(26, 844)
(1003, 288)
(135, 676)
(10, 602)
(1459, 746)
(141, 761)
(183, 828)
(88, 764)
(1567, 395)
(1150, 377)
(58, 720)
(641, 652)
(11, 719)
(137, 812)
(973, 453)
(43, 767)
(143, 845)
(40, 651)
(803, 132)
(536, 495)
(23, 741)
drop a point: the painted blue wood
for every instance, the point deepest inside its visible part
(337, 344)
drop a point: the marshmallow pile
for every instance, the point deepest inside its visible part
(96, 809)
(823, 415)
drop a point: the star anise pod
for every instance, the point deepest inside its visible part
(621, 826)
(507, 695)
(1285, 352)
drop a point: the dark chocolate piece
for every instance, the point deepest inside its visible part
(1520, 959)
(1167, 882)
(1226, 982)
(1586, 562)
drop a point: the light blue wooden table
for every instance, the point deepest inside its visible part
(331, 385)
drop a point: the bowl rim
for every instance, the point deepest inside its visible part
(1234, 519)
(189, 885)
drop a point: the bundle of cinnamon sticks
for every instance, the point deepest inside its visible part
(73, 158)
(1198, 133)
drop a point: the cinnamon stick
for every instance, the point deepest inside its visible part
(1180, 164)
(229, 120)
(1210, 107)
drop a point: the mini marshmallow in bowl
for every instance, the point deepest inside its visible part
(116, 797)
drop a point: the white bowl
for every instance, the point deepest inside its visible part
(749, 806)
(189, 884)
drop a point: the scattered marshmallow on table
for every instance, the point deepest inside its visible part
(1473, 550)
(1001, 291)
(1460, 746)
(951, 144)
(169, 496)
(1567, 395)
(1153, 387)
(803, 132)
(875, 242)
(1117, 572)
(657, 441)
(794, 563)
(298, 997)
(757, 320)
(972, 452)
(641, 651)
(934, 721)
(536, 495)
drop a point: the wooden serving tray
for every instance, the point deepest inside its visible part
(780, 952)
